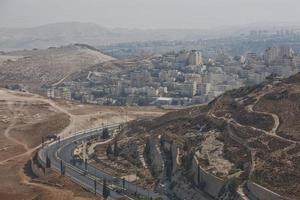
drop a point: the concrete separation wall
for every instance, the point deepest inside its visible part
(157, 163)
(174, 150)
(183, 189)
(206, 181)
(36, 170)
(261, 193)
(175, 157)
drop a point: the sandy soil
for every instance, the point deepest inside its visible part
(25, 118)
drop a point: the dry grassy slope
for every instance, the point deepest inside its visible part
(259, 128)
(25, 118)
(118, 67)
(47, 66)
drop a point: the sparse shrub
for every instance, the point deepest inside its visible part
(172, 185)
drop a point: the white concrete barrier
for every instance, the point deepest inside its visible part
(210, 183)
(262, 193)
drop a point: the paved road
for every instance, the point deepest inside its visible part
(62, 151)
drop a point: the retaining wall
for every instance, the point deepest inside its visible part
(37, 170)
(206, 181)
(157, 162)
(261, 193)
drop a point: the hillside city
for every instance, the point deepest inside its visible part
(149, 100)
(177, 78)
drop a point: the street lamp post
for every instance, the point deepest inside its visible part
(95, 186)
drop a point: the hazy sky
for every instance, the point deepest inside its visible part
(148, 13)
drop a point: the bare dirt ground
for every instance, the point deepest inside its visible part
(274, 149)
(24, 119)
(47, 66)
(259, 129)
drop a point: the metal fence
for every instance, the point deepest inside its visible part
(88, 179)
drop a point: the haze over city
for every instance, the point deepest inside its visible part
(196, 14)
(149, 99)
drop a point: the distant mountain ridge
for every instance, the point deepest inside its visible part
(74, 32)
(65, 33)
(58, 34)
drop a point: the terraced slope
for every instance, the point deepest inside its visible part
(251, 133)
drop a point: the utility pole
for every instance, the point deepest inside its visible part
(85, 157)
(62, 168)
(48, 162)
(95, 186)
(135, 180)
(123, 183)
(42, 141)
(85, 164)
(105, 190)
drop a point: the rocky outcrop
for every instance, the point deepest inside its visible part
(154, 158)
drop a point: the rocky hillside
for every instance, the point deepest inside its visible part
(35, 68)
(243, 140)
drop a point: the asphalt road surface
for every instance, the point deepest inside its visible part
(60, 156)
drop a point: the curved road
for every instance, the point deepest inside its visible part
(60, 154)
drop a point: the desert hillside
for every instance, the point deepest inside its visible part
(44, 67)
(251, 133)
(24, 119)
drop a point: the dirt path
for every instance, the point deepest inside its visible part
(76, 122)
(61, 80)
(244, 143)
(249, 108)
(271, 133)
(274, 116)
(9, 95)
(241, 141)
(12, 125)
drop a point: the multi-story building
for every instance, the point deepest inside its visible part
(50, 93)
(296, 61)
(193, 78)
(271, 55)
(140, 78)
(65, 93)
(279, 56)
(59, 93)
(195, 58)
(182, 57)
(121, 85)
(187, 89)
(251, 58)
(286, 52)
